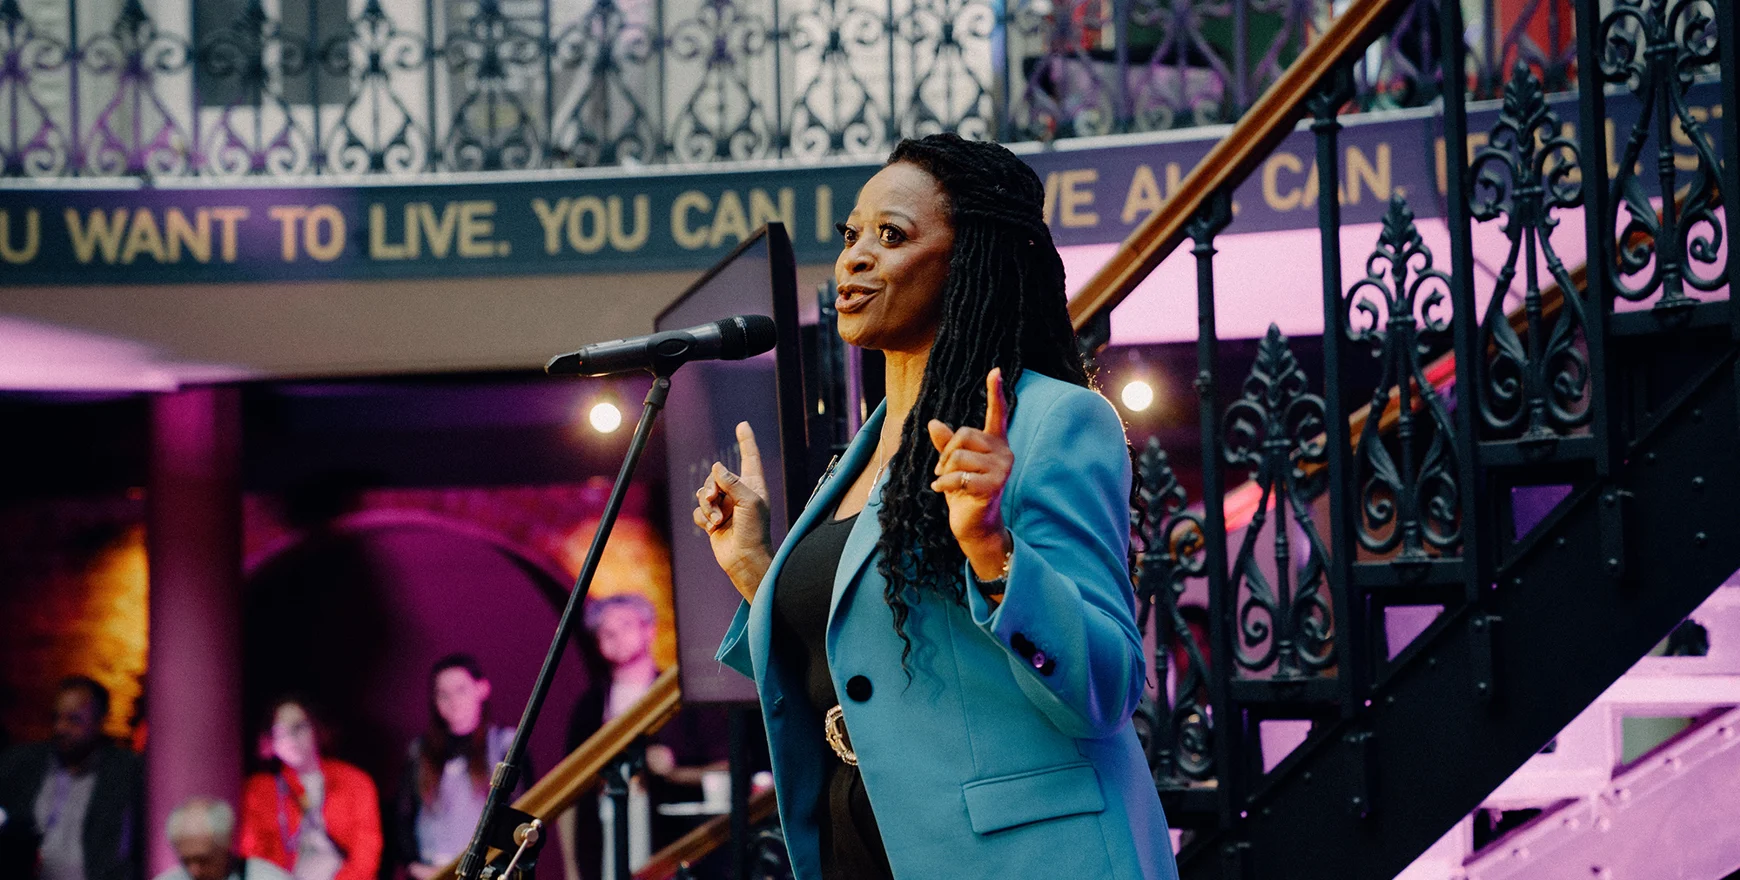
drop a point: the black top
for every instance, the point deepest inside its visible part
(800, 606)
(850, 842)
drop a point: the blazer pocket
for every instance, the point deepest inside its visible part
(1035, 795)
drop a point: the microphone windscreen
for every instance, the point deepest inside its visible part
(747, 336)
(732, 339)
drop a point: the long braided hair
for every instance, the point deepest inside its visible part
(1003, 305)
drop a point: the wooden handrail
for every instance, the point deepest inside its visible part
(691, 847)
(579, 772)
(1258, 132)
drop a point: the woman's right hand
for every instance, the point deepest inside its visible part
(732, 510)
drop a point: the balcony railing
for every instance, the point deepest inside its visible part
(232, 89)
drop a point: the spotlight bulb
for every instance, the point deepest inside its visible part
(1137, 395)
(605, 417)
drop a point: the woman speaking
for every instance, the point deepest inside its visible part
(945, 646)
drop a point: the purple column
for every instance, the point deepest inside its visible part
(193, 681)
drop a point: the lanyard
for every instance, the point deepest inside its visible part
(290, 843)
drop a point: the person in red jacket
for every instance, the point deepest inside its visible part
(318, 818)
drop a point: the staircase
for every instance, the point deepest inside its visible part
(1425, 576)
(1556, 509)
(1641, 784)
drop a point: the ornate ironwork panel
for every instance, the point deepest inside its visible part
(1655, 48)
(404, 87)
(1179, 77)
(1536, 388)
(376, 131)
(1173, 552)
(1070, 86)
(493, 126)
(840, 106)
(135, 129)
(34, 70)
(1541, 36)
(1400, 71)
(602, 80)
(1409, 499)
(258, 131)
(942, 58)
(722, 53)
(1275, 432)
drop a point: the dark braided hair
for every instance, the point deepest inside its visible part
(1003, 305)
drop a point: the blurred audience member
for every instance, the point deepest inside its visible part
(317, 817)
(446, 778)
(202, 831)
(71, 808)
(624, 627)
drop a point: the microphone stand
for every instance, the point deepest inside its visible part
(514, 833)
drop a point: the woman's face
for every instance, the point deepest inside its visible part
(459, 700)
(894, 261)
(293, 737)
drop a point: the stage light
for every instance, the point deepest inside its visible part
(605, 417)
(1137, 395)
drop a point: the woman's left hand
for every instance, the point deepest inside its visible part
(972, 468)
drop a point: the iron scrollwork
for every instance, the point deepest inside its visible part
(34, 144)
(520, 84)
(377, 132)
(1172, 542)
(837, 107)
(135, 132)
(944, 46)
(725, 118)
(1065, 90)
(492, 126)
(258, 131)
(1408, 499)
(1656, 48)
(1529, 168)
(1276, 430)
(601, 113)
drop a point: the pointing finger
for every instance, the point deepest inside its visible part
(749, 452)
(996, 412)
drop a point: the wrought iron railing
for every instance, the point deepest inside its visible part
(1415, 500)
(293, 88)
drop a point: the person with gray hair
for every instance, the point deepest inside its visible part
(202, 831)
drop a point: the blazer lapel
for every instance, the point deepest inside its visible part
(861, 543)
(826, 498)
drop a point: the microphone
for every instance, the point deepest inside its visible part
(731, 339)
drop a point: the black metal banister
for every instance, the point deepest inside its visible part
(1531, 499)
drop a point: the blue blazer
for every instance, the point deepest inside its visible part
(1010, 753)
